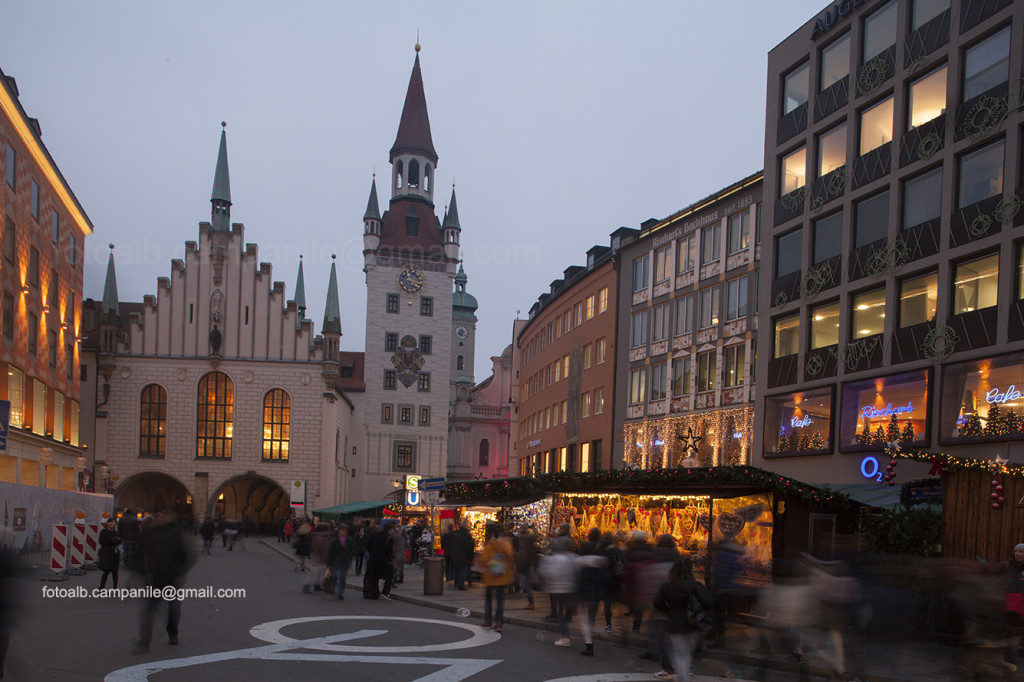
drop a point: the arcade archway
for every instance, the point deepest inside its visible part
(152, 490)
(260, 500)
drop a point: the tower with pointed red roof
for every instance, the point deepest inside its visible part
(410, 261)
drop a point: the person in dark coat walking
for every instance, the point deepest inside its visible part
(166, 560)
(379, 565)
(207, 530)
(108, 559)
(360, 535)
(130, 531)
(674, 598)
(526, 563)
(339, 557)
(460, 544)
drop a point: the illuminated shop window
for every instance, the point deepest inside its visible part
(983, 399)
(799, 423)
(882, 410)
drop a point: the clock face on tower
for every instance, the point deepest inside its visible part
(461, 332)
(410, 279)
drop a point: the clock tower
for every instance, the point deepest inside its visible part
(410, 260)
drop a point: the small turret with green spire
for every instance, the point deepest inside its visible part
(221, 195)
(300, 296)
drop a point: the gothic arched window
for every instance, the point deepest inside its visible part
(426, 177)
(398, 176)
(485, 452)
(277, 417)
(215, 412)
(153, 422)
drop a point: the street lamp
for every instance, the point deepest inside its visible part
(45, 457)
(82, 467)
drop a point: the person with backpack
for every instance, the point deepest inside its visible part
(498, 562)
(687, 605)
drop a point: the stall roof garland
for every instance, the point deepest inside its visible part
(941, 461)
(637, 480)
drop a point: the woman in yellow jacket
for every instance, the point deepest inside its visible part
(498, 563)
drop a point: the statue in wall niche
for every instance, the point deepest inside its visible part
(216, 306)
(215, 339)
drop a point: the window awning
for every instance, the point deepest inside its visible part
(339, 510)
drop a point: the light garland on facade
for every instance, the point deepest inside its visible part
(655, 443)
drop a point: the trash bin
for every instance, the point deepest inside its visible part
(433, 575)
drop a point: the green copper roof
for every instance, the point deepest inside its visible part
(332, 311)
(372, 211)
(221, 195)
(451, 218)
(109, 312)
(300, 295)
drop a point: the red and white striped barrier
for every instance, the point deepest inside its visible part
(92, 542)
(58, 548)
(77, 556)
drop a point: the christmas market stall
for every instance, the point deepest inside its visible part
(481, 509)
(982, 504)
(765, 515)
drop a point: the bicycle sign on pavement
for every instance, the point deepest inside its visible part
(281, 647)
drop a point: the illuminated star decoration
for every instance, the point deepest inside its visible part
(691, 442)
(998, 465)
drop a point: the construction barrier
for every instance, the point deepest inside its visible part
(77, 556)
(59, 548)
(92, 544)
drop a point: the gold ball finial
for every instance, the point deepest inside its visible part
(417, 48)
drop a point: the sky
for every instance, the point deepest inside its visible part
(557, 123)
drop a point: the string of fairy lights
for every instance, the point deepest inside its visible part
(709, 438)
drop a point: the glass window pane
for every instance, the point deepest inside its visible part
(987, 64)
(795, 88)
(835, 62)
(787, 335)
(832, 150)
(876, 126)
(981, 174)
(976, 284)
(1020, 273)
(825, 325)
(794, 170)
(923, 11)
(922, 199)
(868, 314)
(788, 253)
(928, 97)
(828, 237)
(880, 31)
(918, 298)
(872, 220)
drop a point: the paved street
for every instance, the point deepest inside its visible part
(277, 631)
(254, 637)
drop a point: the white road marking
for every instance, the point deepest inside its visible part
(271, 632)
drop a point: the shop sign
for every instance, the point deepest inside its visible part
(831, 16)
(412, 491)
(800, 423)
(995, 396)
(869, 469)
(533, 443)
(869, 412)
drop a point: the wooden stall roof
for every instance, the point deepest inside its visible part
(723, 481)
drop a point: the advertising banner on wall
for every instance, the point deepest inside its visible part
(30, 513)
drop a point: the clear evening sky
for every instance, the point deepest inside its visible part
(557, 121)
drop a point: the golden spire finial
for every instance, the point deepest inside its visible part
(417, 48)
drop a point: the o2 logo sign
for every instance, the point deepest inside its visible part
(870, 469)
